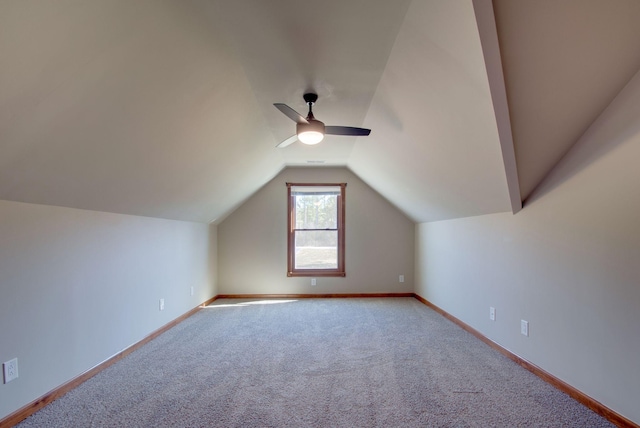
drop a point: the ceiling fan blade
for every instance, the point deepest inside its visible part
(346, 130)
(288, 141)
(291, 113)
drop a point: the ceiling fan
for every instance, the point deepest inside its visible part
(309, 130)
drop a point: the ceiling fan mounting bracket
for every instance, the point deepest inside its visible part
(310, 98)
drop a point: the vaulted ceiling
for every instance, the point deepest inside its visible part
(165, 108)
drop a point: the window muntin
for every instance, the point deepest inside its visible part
(316, 229)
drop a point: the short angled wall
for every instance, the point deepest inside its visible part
(80, 286)
(567, 263)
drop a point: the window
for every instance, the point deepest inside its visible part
(316, 229)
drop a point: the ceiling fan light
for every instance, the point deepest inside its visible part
(311, 132)
(310, 137)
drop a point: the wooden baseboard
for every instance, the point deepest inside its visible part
(26, 411)
(58, 392)
(311, 296)
(576, 394)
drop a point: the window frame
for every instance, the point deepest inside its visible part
(291, 233)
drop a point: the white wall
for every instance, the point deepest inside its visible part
(569, 263)
(77, 287)
(252, 241)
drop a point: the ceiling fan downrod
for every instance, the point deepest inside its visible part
(310, 99)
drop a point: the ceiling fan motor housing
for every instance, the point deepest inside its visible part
(313, 125)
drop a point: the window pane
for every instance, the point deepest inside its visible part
(316, 211)
(316, 249)
(315, 235)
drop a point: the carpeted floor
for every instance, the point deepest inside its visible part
(389, 362)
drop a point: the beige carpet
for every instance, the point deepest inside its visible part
(389, 362)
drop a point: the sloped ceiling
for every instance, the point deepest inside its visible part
(564, 62)
(435, 150)
(164, 108)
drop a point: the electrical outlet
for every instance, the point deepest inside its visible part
(162, 304)
(313, 281)
(524, 327)
(401, 278)
(492, 313)
(192, 290)
(10, 369)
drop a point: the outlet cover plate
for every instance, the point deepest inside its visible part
(10, 369)
(524, 327)
(162, 304)
(492, 313)
(401, 278)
